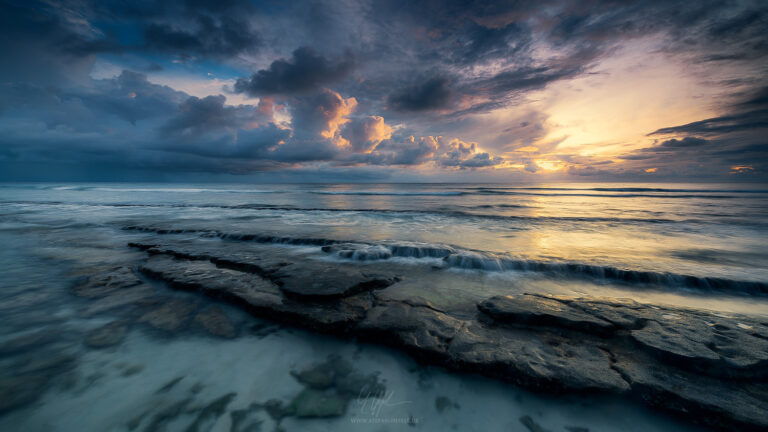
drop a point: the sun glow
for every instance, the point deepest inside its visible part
(550, 165)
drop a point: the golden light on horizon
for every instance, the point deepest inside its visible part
(550, 165)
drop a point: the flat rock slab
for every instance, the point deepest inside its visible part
(203, 274)
(242, 260)
(318, 281)
(312, 280)
(538, 311)
(260, 296)
(710, 344)
(543, 361)
(723, 404)
(420, 330)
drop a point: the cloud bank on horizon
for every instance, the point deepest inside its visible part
(384, 90)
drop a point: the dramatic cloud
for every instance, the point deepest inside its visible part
(209, 37)
(685, 142)
(364, 134)
(508, 91)
(408, 151)
(431, 94)
(757, 119)
(457, 153)
(321, 114)
(305, 71)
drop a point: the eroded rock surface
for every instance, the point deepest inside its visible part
(709, 367)
(710, 344)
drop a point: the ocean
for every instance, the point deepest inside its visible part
(698, 246)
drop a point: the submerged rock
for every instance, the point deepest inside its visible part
(18, 391)
(108, 282)
(170, 316)
(108, 335)
(216, 322)
(28, 342)
(329, 387)
(141, 294)
(531, 425)
(32, 375)
(316, 403)
(442, 403)
(207, 416)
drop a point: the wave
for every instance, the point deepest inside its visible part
(636, 193)
(625, 189)
(461, 258)
(389, 193)
(600, 195)
(166, 190)
(446, 212)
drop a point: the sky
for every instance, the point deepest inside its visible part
(384, 91)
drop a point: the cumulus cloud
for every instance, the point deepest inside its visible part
(320, 114)
(407, 151)
(460, 154)
(364, 134)
(200, 116)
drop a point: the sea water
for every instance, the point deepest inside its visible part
(699, 246)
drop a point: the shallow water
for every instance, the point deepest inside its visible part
(699, 246)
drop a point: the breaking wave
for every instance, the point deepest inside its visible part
(460, 258)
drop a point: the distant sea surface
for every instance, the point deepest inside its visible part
(715, 233)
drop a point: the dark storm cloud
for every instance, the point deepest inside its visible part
(523, 79)
(305, 71)
(199, 116)
(434, 93)
(188, 29)
(208, 36)
(685, 142)
(731, 123)
(131, 97)
(746, 118)
(735, 139)
(479, 43)
(756, 99)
